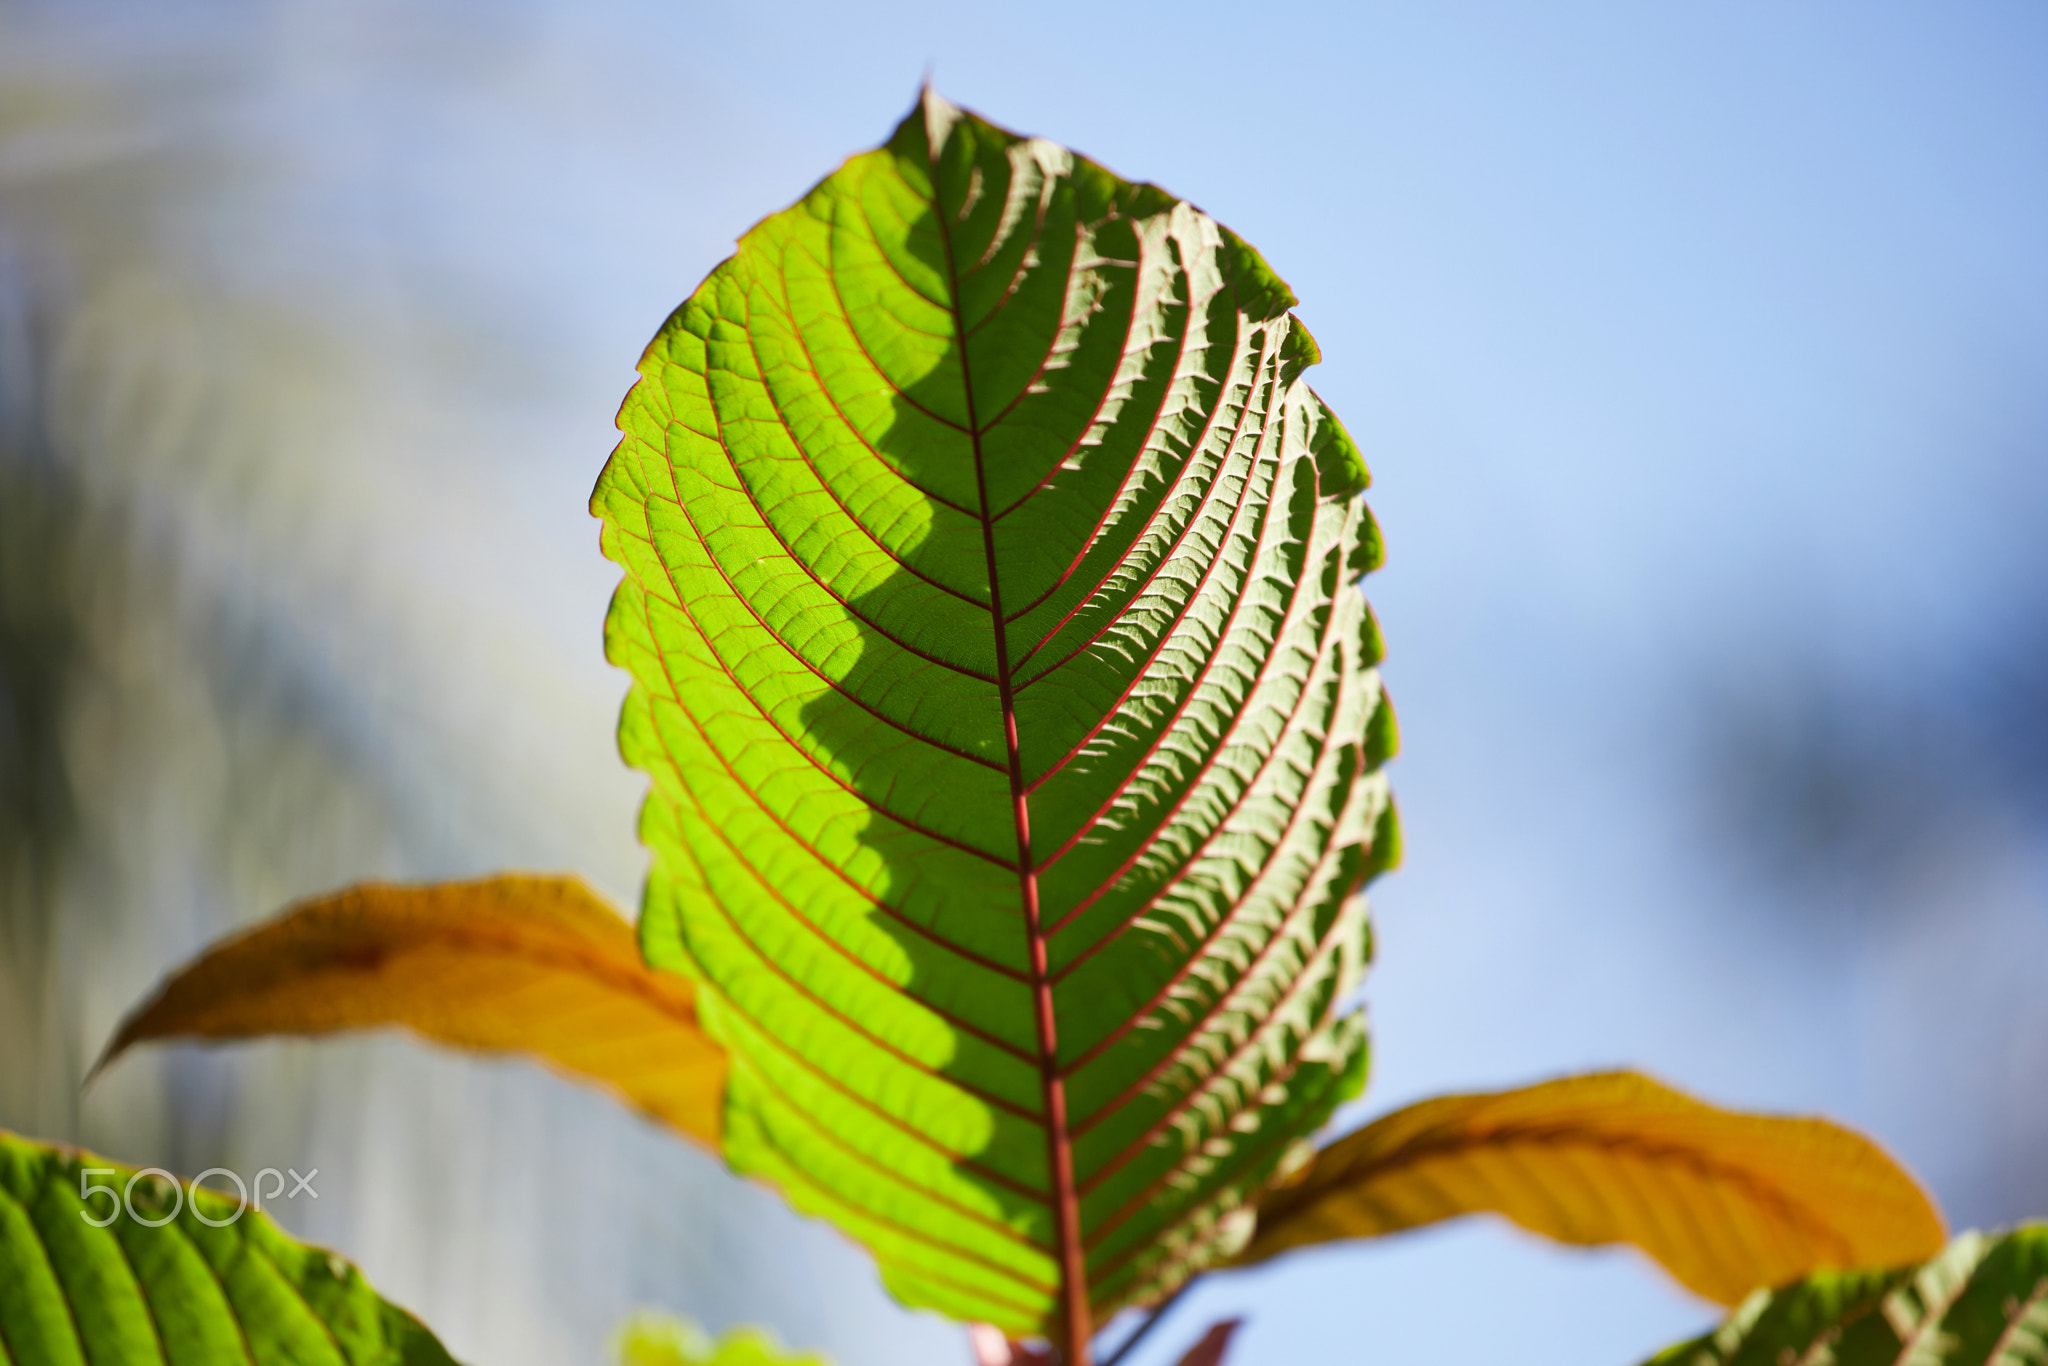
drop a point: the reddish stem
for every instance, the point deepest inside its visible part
(1075, 1325)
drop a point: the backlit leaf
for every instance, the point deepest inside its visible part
(1725, 1201)
(143, 1270)
(1982, 1302)
(536, 965)
(1031, 944)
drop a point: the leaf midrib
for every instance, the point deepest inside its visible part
(1069, 1253)
(1067, 1188)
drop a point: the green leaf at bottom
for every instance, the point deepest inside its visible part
(658, 1340)
(213, 1282)
(1982, 1302)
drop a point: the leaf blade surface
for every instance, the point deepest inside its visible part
(203, 1280)
(1010, 712)
(1983, 1301)
(1725, 1201)
(514, 963)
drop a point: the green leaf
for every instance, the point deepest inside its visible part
(658, 1340)
(1032, 947)
(1982, 1302)
(90, 1280)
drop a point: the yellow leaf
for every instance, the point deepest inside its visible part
(1727, 1202)
(536, 965)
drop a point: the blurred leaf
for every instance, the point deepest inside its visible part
(1982, 1302)
(659, 1340)
(90, 1280)
(1010, 713)
(536, 965)
(1726, 1201)
(991, 1348)
(1213, 1344)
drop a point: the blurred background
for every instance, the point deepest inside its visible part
(1701, 353)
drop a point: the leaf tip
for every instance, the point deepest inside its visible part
(940, 114)
(115, 1047)
(1210, 1349)
(133, 1029)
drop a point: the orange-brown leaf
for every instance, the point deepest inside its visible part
(1727, 1202)
(536, 965)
